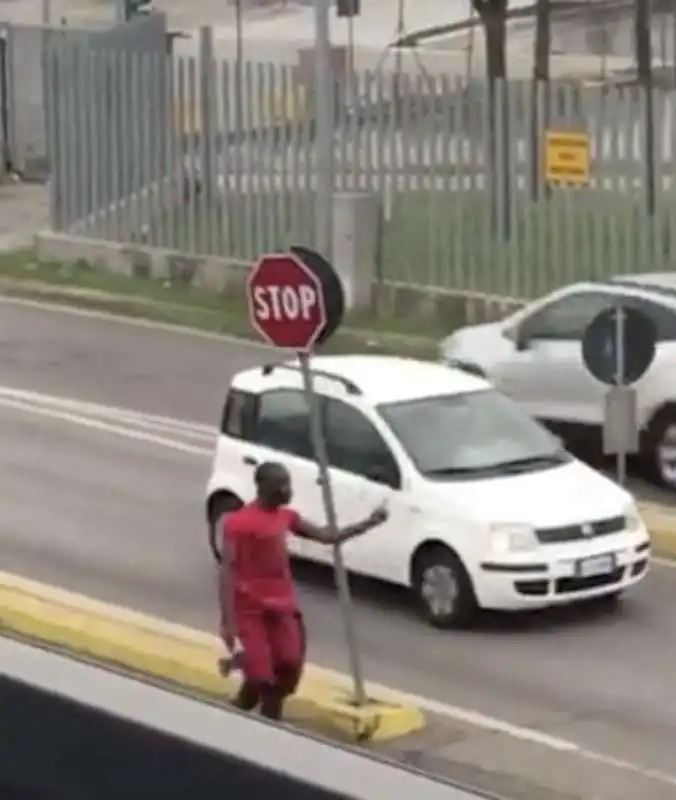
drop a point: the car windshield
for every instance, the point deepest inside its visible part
(468, 434)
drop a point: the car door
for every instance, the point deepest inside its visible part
(545, 373)
(281, 432)
(364, 473)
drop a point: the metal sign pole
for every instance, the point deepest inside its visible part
(618, 347)
(621, 457)
(319, 445)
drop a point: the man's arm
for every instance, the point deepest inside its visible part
(308, 530)
(225, 595)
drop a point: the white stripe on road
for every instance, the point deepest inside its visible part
(95, 410)
(118, 430)
(54, 307)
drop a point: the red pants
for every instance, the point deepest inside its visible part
(274, 647)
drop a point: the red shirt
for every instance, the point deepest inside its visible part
(260, 569)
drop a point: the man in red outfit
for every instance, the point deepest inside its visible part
(259, 609)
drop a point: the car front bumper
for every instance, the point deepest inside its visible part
(539, 583)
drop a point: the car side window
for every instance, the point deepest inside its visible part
(354, 445)
(664, 319)
(565, 318)
(282, 422)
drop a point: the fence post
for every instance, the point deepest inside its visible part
(206, 67)
(46, 13)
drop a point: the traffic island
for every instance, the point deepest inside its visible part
(170, 654)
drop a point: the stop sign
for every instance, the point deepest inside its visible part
(286, 301)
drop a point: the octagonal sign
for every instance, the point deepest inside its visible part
(286, 301)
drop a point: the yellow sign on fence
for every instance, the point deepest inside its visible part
(566, 157)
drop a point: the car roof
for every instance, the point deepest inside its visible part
(662, 284)
(376, 378)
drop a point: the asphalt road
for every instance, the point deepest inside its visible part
(121, 519)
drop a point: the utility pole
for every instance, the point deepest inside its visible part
(324, 108)
(644, 75)
(540, 92)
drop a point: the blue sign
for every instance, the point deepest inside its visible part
(618, 345)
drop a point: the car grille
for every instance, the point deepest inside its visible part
(582, 530)
(568, 586)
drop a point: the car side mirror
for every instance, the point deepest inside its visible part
(517, 336)
(521, 342)
(380, 473)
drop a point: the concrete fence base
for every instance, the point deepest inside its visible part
(227, 275)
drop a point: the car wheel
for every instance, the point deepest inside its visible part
(219, 507)
(661, 455)
(443, 589)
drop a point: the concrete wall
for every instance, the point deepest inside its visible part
(227, 276)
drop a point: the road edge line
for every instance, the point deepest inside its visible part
(142, 644)
(54, 305)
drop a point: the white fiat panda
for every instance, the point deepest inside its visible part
(487, 510)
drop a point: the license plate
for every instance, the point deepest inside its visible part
(596, 565)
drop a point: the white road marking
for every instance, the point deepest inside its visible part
(479, 720)
(532, 735)
(167, 327)
(148, 421)
(100, 425)
(66, 409)
(628, 766)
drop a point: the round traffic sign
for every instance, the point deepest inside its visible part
(614, 328)
(292, 299)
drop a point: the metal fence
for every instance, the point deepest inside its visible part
(219, 158)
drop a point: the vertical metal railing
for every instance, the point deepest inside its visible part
(207, 156)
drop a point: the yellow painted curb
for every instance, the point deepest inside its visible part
(661, 523)
(187, 657)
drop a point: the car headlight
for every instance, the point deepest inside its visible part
(512, 538)
(632, 517)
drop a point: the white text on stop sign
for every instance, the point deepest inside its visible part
(284, 303)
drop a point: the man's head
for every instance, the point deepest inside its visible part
(273, 484)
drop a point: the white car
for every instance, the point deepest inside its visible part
(486, 508)
(535, 356)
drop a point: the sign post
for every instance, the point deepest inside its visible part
(296, 302)
(618, 348)
(621, 456)
(342, 583)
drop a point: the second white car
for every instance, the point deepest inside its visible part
(535, 356)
